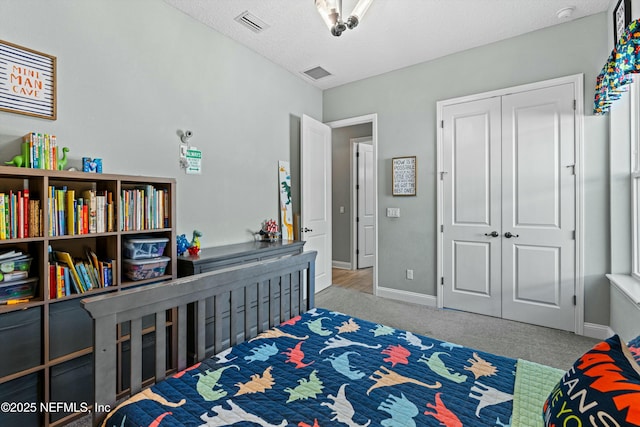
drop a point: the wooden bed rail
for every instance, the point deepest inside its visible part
(245, 300)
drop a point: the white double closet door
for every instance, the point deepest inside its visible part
(508, 206)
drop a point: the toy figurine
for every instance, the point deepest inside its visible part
(63, 160)
(183, 244)
(194, 248)
(21, 160)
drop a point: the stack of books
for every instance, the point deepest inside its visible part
(94, 212)
(145, 208)
(20, 217)
(69, 275)
(42, 151)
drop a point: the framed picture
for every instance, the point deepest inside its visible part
(621, 19)
(27, 81)
(403, 176)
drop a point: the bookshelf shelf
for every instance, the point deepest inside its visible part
(47, 341)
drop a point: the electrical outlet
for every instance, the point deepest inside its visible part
(409, 274)
(393, 212)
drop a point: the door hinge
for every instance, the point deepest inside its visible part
(357, 186)
(575, 300)
(442, 175)
(573, 235)
(442, 280)
(442, 228)
(575, 104)
(573, 169)
(357, 251)
(441, 124)
(357, 154)
(357, 219)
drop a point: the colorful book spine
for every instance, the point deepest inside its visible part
(3, 223)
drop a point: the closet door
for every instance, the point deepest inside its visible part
(538, 207)
(471, 211)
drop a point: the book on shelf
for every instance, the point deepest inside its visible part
(42, 151)
(71, 215)
(20, 216)
(65, 257)
(144, 208)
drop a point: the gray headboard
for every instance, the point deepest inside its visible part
(235, 304)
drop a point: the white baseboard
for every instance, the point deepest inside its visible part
(406, 296)
(600, 332)
(341, 264)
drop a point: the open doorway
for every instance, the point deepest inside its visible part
(351, 207)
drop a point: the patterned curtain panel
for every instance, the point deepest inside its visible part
(615, 77)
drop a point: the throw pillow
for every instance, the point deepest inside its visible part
(601, 389)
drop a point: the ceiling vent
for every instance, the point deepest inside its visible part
(316, 73)
(252, 22)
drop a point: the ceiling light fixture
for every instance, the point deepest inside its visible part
(331, 12)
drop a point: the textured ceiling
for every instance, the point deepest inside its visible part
(393, 34)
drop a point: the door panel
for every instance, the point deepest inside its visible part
(471, 211)
(366, 207)
(535, 265)
(315, 181)
(476, 281)
(538, 188)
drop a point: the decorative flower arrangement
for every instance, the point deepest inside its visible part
(270, 231)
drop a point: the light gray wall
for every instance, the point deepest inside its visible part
(341, 180)
(405, 101)
(132, 73)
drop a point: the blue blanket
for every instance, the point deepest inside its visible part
(329, 369)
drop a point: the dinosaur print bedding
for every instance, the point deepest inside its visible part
(329, 369)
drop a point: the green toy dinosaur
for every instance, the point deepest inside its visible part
(20, 160)
(63, 160)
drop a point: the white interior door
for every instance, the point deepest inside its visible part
(366, 207)
(538, 207)
(509, 206)
(471, 207)
(315, 183)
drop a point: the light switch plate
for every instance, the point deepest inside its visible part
(393, 212)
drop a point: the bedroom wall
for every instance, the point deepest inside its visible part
(131, 74)
(405, 101)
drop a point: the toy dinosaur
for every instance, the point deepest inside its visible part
(21, 160)
(194, 247)
(63, 160)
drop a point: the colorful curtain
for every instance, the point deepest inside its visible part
(615, 77)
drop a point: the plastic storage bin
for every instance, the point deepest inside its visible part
(139, 269)
(17, 289)
(144, 247)
(14, 270)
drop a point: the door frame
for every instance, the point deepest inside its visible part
(354, 199)
(578, 81)
(373, 119)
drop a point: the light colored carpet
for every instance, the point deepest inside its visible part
(546, 346)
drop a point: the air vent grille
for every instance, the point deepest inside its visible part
(316, 73)
(252, 22)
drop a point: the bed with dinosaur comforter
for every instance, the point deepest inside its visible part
(324, 368)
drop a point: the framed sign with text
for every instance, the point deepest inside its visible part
(27, 81)
(621, 18)
(403, 176)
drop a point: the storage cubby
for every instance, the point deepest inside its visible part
(47, 339)
(25, 390)
(21, 337)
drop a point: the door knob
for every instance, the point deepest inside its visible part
(508, 235)
(306, 230)
(492, 234)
